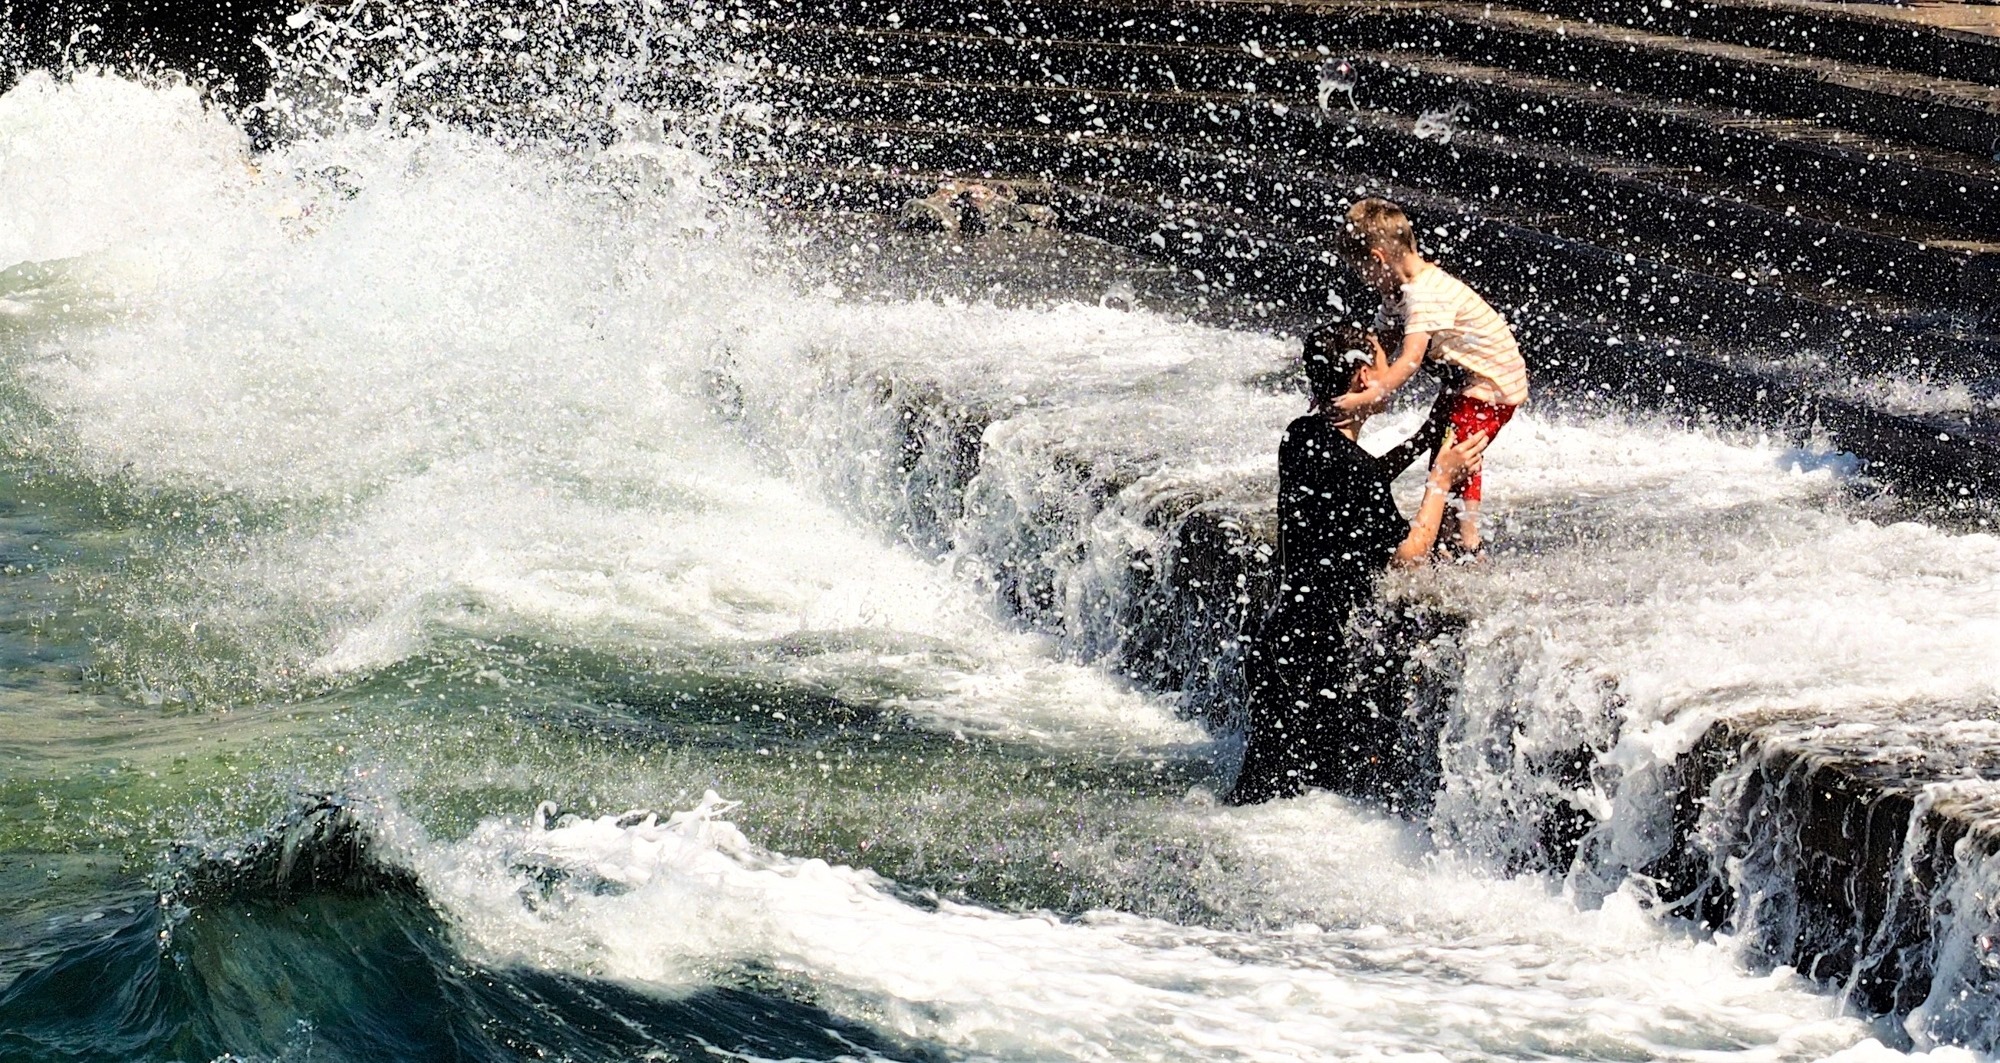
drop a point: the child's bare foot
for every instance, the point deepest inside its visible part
(1470, 542)
(1468, 547)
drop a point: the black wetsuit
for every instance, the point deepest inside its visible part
(1338, 529)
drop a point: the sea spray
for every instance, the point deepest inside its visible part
(432, 421)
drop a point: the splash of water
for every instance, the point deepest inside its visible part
(407, 374)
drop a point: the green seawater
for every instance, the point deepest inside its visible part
(136, 752)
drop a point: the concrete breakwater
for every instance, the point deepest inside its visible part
(1706, 211)
(1855, 847)
(1711, 224)
(1824, 842)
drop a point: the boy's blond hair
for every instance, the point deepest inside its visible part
(1377, 224)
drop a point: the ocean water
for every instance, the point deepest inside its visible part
(465, 598)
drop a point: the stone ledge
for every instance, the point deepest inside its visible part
(1871, 823)
(1853, 849)
(1856, 853)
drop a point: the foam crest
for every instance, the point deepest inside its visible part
(1649, 582)
(463, 300)
(1438, 962)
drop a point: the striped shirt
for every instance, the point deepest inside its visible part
(1465, 332)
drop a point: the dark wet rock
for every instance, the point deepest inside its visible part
(1007, 215)
(929, 214)
(1873, 829)
(973, 207)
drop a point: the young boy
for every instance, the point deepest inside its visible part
(1443, 322)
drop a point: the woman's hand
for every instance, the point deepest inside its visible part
(1357, 404)
(1375, 348)
(1455, 464)
(1460, 461)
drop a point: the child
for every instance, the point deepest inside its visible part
(1443, 322)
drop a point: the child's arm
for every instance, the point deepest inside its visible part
(1427, 438)
(1408, 360)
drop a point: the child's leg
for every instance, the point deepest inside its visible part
(1468, 526)
(1471, 417)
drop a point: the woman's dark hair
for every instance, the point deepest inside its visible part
(1333, 354)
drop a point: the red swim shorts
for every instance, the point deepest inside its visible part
(1471, 417)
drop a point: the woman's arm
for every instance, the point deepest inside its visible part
(1455, 464)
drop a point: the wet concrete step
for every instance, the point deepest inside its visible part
(1243, 132)
(1856, 33)
(1758, 153)
(1836, 175)
(1520, 261)
(1871, 819)
(1585, 359)
(1868, 835)
(1951, 115)
(1944, 113)
(1898, 256)
(1777, 159)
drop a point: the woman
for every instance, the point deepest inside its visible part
(1338, 530)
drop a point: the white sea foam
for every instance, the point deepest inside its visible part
(97, 162)
(1647, 582)
(1390, 954)
(455, 384)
